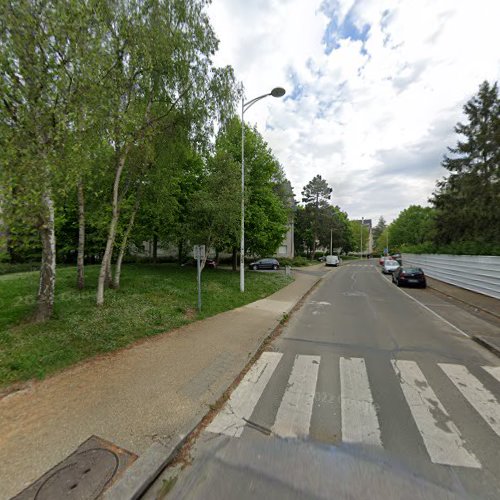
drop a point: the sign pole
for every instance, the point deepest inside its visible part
(198, 265)
(199, 253)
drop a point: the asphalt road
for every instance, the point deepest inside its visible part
(370, 392)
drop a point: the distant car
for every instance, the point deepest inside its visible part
(398, 257)
(390, 266)
(332, 260)
(209, 263)
(322, 258)
(265, 264)
(383, 259)
(411, 276)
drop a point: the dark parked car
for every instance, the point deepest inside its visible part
(210, 263)
(265, 264)
(410, 276)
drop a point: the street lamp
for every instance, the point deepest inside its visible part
(361, 234)
(276, 92)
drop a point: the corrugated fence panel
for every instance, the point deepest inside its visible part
(475, 272)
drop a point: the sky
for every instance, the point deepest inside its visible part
(374, 88)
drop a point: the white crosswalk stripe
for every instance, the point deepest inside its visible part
(476, 394)
(230, 420)
(494, 371)
(358, 410)
(359, 416)
(294, 414)
(441, 437)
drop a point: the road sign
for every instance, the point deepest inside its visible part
(199, 251)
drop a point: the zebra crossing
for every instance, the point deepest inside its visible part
(359, 414)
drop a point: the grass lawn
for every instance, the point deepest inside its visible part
(151, 300)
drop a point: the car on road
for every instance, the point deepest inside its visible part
(383, 259)
(398, 257)
(390, 266)
(332, 260)
(264, 264)
(410, 276)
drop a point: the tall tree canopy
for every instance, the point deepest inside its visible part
(467, 202)
(267, 199)
(316, 195)
(413, 226)
(89, 90)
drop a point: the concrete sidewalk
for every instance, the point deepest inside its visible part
(141, 398)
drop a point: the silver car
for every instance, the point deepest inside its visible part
(390, 266)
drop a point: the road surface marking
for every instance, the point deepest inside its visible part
(476, 394)
(494, 371)
(359, 416)
(440, 435)
(244, 398)
(429, 309)
(294, 414)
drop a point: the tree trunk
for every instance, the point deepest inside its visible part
(235, 259)
(47, 285)
(123, 248)
(181, 250)
(155, 248)
(217, 256)
(80, 281)
(106, 260)
(313, 253)
(108, 280)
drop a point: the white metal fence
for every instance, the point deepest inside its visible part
(475, 272)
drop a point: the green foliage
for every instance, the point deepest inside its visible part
(315, 195)
(356, 230)
(214, 211)
(152, 300)
(413, 226)
(317, 192)
(298, 261)
(379, 228)
(457, 248)
(325, 223)
(467, 201)
(266, 210)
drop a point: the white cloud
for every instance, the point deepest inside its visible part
(372, 116)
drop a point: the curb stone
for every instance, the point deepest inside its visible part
(495, 349)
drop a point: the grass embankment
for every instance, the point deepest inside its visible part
(151, 300)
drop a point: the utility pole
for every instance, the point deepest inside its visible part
(361, 235)
(331, 241)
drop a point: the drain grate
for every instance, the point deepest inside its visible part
(84, 475)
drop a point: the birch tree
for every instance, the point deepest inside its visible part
(44, 47)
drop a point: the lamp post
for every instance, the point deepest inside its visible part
(276, 92)
(361, 234)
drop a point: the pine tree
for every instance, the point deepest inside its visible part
(316, 195)
(379, 228)
(468, 200)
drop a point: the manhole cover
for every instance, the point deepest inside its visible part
(83, 475)
(86, 477)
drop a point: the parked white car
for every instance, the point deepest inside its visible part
(332, 260)
(390, 266)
